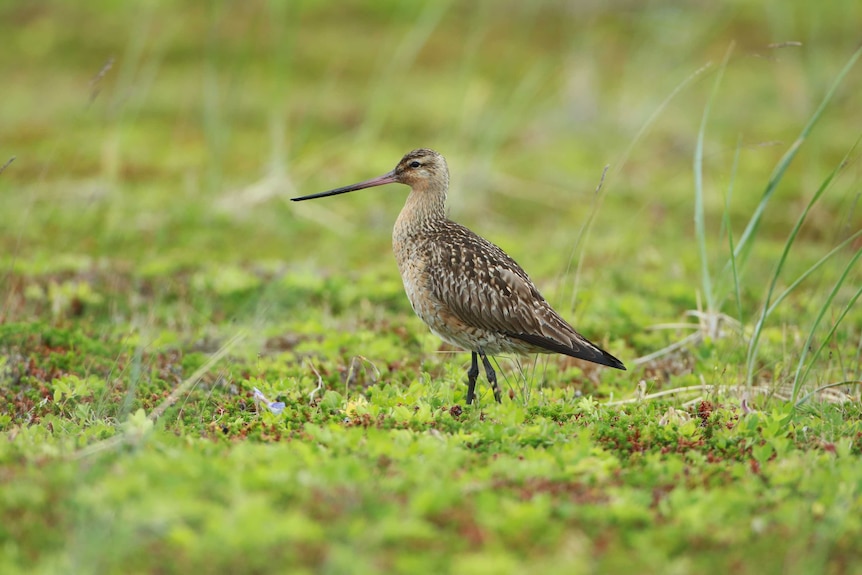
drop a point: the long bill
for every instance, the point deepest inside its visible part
(389, 178)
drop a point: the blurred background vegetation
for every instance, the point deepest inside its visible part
(154, 130)
(156, 137)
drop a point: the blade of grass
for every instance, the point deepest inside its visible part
(758, 328)
(580, 245)
(729, 230)
(750, 232)
(811, 394)
(595, 204)
(800, 377)
(811, 270)
(699, 225)
(656, 113)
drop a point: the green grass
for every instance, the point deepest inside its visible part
(153, 275)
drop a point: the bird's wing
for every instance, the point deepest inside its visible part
(486, 289)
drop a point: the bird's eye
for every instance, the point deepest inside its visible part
(415, 164)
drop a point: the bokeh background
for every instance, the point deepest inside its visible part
(172, 134)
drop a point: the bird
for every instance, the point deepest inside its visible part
(467, 290)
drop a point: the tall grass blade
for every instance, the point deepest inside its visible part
(812, 269)
(800, 377)
(699, 226)
(656, 113)
(580, 245)
(758, 328)
(729, 231)
(742, 247)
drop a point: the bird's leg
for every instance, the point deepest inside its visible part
(492, 377)
(472, 374)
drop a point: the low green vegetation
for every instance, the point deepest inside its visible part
(197, 376)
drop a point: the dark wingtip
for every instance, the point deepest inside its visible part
(585, 353)
(612, 361)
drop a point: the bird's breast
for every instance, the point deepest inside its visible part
(413, 266)
(415, 258)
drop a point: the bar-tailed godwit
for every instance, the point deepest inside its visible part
(466, 289)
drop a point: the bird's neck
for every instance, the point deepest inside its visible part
(424, 207)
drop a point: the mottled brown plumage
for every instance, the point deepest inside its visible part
(466, 289)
